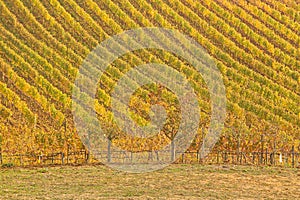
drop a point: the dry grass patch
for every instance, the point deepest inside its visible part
(176, 181)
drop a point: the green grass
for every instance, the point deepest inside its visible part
(176, 181)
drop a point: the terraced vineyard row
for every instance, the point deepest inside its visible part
(43, 43)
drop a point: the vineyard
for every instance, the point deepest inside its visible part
(255, 45)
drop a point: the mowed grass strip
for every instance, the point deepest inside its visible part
(175, 181)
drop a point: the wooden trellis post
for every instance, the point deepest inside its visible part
(108, 150)
(173, 151)
(262, 148)
(293, 156)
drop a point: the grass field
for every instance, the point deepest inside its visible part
(175, 182)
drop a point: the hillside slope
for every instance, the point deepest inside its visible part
(255, 44)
